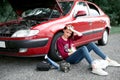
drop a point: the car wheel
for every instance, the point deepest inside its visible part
(104, 39)
(53, 53)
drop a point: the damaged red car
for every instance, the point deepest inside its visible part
(40, 23)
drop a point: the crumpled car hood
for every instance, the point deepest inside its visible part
(21, 5)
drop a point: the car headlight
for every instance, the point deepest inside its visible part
(25, 33)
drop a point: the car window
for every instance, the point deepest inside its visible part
(81, 6)
(66, 6)
(93, 10)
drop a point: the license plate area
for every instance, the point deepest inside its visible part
(2, 44)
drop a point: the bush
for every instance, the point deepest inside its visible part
(6, 11)
(111, 8)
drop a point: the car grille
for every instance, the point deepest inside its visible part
(5, 35)
(9, 50)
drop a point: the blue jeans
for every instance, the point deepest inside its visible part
(84, 52)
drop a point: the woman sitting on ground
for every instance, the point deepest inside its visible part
(73, 55)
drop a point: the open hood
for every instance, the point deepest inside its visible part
(21, 5)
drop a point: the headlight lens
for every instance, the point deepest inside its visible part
(25, 33)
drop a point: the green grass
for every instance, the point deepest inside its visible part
(115, 29)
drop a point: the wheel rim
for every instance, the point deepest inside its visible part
(105, 37)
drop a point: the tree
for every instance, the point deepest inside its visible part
(6, 11)
(111, 8)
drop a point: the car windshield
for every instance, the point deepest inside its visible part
(44, 13)
(66, 6)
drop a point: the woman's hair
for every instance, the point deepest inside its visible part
(72, 32)
(65, 27)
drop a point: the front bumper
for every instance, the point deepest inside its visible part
(15, 45)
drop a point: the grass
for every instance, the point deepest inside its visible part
(115, 29)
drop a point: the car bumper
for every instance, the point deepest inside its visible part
(15, 45)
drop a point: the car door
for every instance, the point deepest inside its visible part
(98, 23)
(82, 23)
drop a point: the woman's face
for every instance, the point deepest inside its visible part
(67, 33)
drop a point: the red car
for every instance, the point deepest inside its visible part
(40, 23)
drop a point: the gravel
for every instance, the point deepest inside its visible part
(13, 68)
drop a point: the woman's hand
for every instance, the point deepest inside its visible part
(70, 53)
(73, 30)
(72, 50)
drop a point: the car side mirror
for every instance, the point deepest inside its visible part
(80, 13)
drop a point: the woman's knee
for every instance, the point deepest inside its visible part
(91, 43)
(81, 48)
(85, 49)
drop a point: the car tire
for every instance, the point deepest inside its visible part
(53, 53)
(104, 39)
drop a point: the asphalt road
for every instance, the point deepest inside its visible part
(12, 68)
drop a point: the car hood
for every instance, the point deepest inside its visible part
(21, 5)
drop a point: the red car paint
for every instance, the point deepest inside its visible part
(92, 25)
